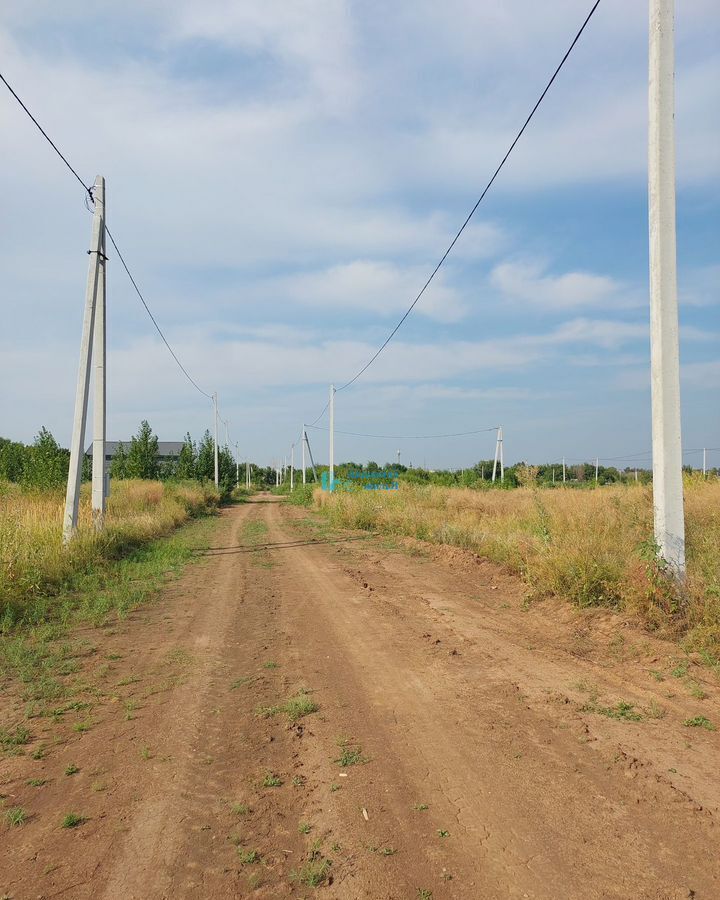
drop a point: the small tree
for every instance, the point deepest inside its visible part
(205, 463)
(186, 463)
(46, 462)
(142, 461)
(13, 458)
(118, 464)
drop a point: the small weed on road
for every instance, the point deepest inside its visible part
(72, 820)
(15, 816)
(699, 722)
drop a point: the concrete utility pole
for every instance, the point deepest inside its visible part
(704, 462)
(77, 448)
(292, 467)
(564, 471)
(217, 460)
(664, 344)
(99, 475)
(247, 474)
(398, 456)
(331, 473)
(302, 444)
(499, 455)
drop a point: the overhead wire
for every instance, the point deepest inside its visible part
(479, 201)
(89, 193)
(408, 437)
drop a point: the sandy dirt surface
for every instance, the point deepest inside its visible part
(499, 749)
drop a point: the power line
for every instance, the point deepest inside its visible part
(408, 437)
(45, 134)
(88, 191)
(481, 198)
(152, 317)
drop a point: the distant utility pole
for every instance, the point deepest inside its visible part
(93, 338)
(217, 460)
(564, 471)
(247, 474)
(398, 456)
(499, 455)
(331, 473)
(302, 445)
(312, 461)
(704, 462)
(292, 466)
(664, 344)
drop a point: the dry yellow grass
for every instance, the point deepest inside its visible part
(33, 562)
(592, 547)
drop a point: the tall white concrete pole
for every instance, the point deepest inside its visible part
(247, 474)
(99, 473)
(217, 460)
(704, 462)
(331, 473)
(302, 443)
(77, 449)
(664, 344)
(564, 471)
(292, 467)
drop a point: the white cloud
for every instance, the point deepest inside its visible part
(528, 282)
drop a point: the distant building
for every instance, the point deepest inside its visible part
(168, 451)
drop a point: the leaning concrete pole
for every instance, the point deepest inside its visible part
(664, 343)
(99, 475)
(77, 442)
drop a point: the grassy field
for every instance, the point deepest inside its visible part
(41, 581)
(591, 547)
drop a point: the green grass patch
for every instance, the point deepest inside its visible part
(294, 707)
(15, 816)
(699, 722)
(72, 820)
(351, 756)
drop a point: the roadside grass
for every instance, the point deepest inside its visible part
(37, 648)
(39, 576)
(590, 547)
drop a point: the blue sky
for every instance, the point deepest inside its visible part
(283, 177)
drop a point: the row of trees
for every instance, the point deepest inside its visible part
(44, 463)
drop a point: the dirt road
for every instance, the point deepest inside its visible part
(465, 744)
